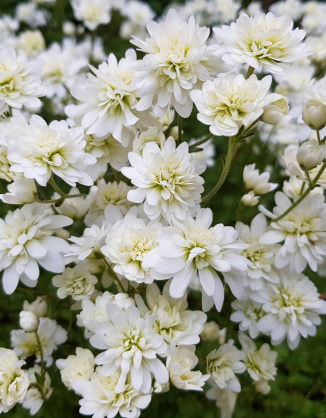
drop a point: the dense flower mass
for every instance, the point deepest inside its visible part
(129, 185)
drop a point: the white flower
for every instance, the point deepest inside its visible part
(177, 60)
(261, 256)
(276, 111)
(180, 362)
(151, 135)
(34, 399)
(14, 381)
(39, 150)
(39, 306)
(167, 179)
(20, 191)
(302, 230)
(223, 363)
(250, 199)
(106, 150)
(76, 367)
(212, 332)
(173, 321)
(231, 101)
(31, 42)
(95, 313)
(20, 83)
(104, 194)
(292, 308)
(28, 321)
(109, 100)
(193, 249)
(93, 239)
(128, 244)
(76, 282)
(262, 41)
(50, 334)
(258, 183)
(60, 69)
(311, 154)
(74, 207)
(92, 12)
(247, 313)
(27, 12)
(314, 114)
(26, 241)
(290, 160)
(131, 347)
(225, 399)
(260, 364)
(101, 400)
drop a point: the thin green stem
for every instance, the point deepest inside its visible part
(62, 199)
(200, 142)
(226, 168)
(250, 71)
(41, 353)
(56, 187)
(179, 128)
(302, 187)
(303, 196)
(318, 137)
(113, 275)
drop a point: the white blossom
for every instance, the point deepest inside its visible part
(264, 40)
(174, 322)
(76, 282)
(34, 399)
(76, 367)
(223, 363)
(167, 179)
(26, 242)
(231, 101)
(180, 362)
(50, 334)
(301, 232)
(131, 347)
(20, 191)
(292, 308)
(193, 249)
(20, 80)
(176, 60)
(101, 400)
(14, 381)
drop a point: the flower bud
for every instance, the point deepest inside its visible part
(28, 321)
(275, 111)
(250, 199)
(314, 114)
(174, 132)
(310, 154)
(39, 306)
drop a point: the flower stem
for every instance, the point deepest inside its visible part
(318, 137)
(226, 168)
(56, 187)
(113, 275)
(202, 141)
(311, 186)
(250, 71)
(41, 353)
(179, 128)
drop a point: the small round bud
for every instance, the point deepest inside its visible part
(28, 321)
(174, 132)
(274, 112)
(250, 199)
(314, 114)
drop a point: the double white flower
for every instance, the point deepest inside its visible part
(194, 250)
(131, 347)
